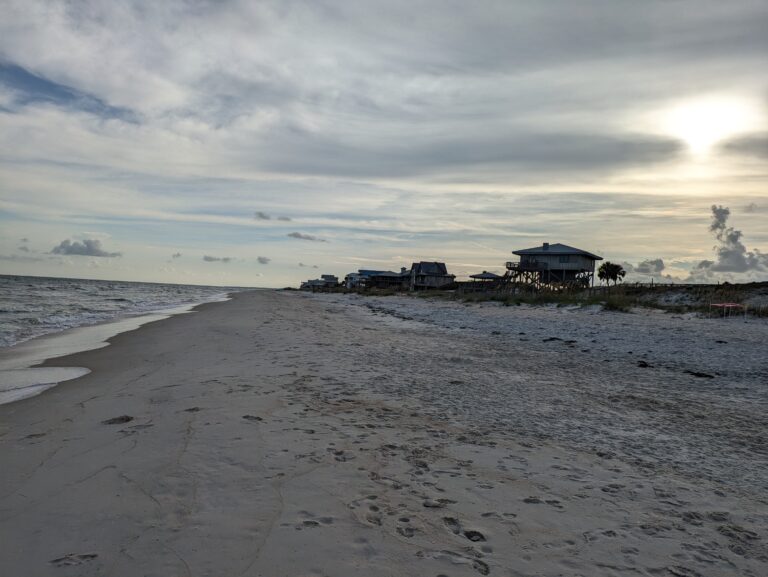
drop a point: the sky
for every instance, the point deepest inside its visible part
(264, 143)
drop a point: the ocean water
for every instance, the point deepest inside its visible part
(35, 306)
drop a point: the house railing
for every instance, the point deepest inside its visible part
(527, 266)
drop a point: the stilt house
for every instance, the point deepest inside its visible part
(553, 264)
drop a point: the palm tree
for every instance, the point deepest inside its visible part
(609, 271)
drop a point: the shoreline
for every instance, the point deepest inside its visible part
(285, 434)
(27, 368)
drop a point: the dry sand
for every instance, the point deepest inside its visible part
(283, 434)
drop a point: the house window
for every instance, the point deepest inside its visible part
(565, 258)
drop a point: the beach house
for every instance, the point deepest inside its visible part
(430, 275)
(325, 281)
(553, 264)
(382, 279)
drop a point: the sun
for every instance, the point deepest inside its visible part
(705, 122)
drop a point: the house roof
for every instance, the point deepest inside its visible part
(556, 248)
(370, 272)
(389, 273)
(485, 275)
(430, 268)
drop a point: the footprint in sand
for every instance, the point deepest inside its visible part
(372, 513)
(73, 559)
(474, 536)
(122, 419)
(452, 524)
(478, 565)
(310, 521)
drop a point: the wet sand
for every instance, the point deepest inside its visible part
(289, 434)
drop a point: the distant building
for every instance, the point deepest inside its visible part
(325, 281)
(352, 280)
(553, 264)
(485, 276)
(365, 278)
(390, 280)
(430, 275)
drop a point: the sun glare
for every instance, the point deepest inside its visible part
(703, 123)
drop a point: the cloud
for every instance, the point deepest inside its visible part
(19, 258)
(652, 267)
(208, 258)
(751, 207)
(263, 260)
(24, 240)
(298, 151)
(259, 215)
(395, 135)
(755, 145)
(23, 248)
(176, 255)
(301, 264)
(88, 247)
(302, 236)
(732, 255)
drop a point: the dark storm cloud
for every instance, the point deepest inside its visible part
(755, 145)
(302, 236)
(208, 258)
(263, 260)
(88, 247)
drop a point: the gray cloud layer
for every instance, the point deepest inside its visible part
(514, 87)
(302, 152)
(755, 145)
(88, 247)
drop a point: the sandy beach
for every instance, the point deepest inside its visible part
(288, 434)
